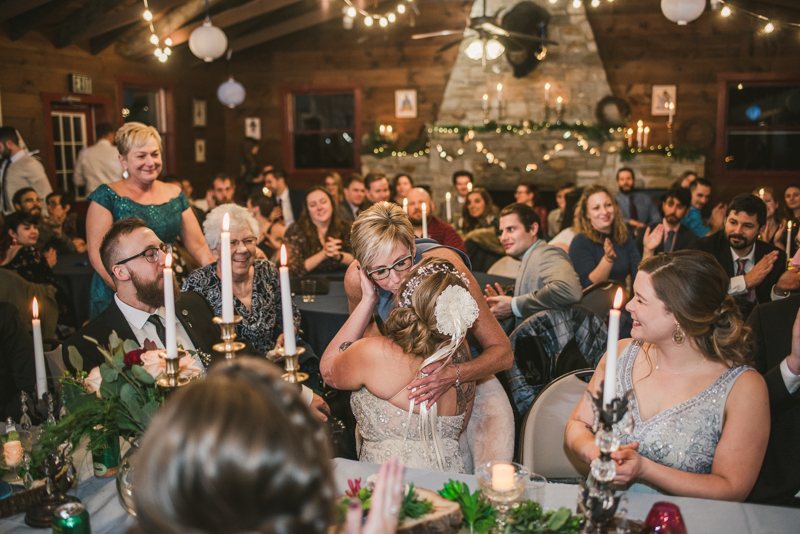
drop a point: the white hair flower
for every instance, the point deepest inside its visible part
(456, 310)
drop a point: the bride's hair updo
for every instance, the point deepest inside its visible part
(414, 328)
(694, 287)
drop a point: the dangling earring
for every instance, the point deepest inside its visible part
(678, 336)
(125, 174)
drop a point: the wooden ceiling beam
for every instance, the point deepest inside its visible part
(74, 24)
(11, 8)
(233, 16)
(119, 19)
(29, 20)
(284, 28)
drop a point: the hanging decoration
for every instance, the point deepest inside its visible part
(726, 9)
(351, 11)
(682, 11)
(230, 92)
(207, 41)
(161, 53)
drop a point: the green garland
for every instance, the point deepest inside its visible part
(590, 131)
(681, 153)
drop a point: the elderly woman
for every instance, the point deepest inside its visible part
(139, 194)
(256, 286)
(701, 413)
(319, 241)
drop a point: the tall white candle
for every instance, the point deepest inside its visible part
(630, 137)
(789, 240)
(405, 205)
(449, 208)
(546, 94)
(424, 221)
(38, 351)
(286, 306)
(639, 134)
(671, 112)
(610, 383)
(227, 276)
(559, 104)
(171, 341)
(646, 134)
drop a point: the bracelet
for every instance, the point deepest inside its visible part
(458, 375)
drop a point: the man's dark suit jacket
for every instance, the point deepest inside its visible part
(682, 239)
(297, 199)
(345, 212)
(716, 245)
(191, 308)
(779, 479)
(17, 367)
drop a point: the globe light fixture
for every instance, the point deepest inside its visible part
(682, 11)
(208, 42)
(231, 93)
(494, 49)
(475, 50)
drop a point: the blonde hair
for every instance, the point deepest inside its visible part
(378, 230)
(582, 224)
(134, 135)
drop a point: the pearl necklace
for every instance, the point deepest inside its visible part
(683, 373)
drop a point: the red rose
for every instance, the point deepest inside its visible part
(132, 358)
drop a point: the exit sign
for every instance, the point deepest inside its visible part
(80, 84)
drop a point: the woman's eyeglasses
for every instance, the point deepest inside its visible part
(249, 242)
(403, 264)
(150, 254)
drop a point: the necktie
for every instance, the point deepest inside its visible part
(633, 210)
(751, 295)
(155, 320)
(670, 242)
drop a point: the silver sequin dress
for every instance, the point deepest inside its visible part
(685, 436)
(383, 429)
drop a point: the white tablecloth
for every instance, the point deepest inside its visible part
(701, 516)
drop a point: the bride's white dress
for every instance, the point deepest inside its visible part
(383, 429)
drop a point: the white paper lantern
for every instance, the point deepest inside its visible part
(231, 93)
(682, 11)
(208, 42)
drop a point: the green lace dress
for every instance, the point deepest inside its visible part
(163, 219)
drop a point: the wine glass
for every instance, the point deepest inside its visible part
(503, 483)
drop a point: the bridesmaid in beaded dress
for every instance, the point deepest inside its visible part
(700, 412)
(162, 206)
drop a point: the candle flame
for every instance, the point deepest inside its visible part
(448, 195)
(266, 191)
(640, 124)
(283, 255)
(35, 308)
(469, 187)
(226, 222)
(790, 225)
(547, 86)
(424, 207)
(405, 202)
(618, 299)
(672, 105)
(559, 99)
(168, 261)
(499, 86)
(646, 129)
(761, 192)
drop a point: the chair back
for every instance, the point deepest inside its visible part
(599, 297)
(541, 440)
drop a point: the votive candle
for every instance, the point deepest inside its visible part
(503, 477)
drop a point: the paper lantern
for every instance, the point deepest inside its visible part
(231, 93)
(208, 42)
(682, 11)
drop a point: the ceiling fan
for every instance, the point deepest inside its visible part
(487, 34)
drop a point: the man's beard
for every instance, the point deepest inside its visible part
(152, 293)
(672, 219)
(746, 244)
(626, 189)
(415, 222)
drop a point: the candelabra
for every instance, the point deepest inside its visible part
(597, 501)
(292, 364)
(228, 346)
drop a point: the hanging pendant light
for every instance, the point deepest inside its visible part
(207, 41)
(682, 11)
(231, 93)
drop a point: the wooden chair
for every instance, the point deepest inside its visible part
(541, 440)
(599, 297)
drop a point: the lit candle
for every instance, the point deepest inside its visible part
(171, 342)
(671, 112)
(630, 137)
(485, 102)
(761, 194)
(639, 134)
(227, 277)
(424, 221)
(546, 94)
(646, 134)
(405, 205)
(449, 208)
(38, 351)
(469, 187)
(503, 477)
(286, 306)
(788, 241)
(559, 104)
(610, 384)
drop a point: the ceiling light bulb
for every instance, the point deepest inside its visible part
(392, 17)
(576, 3)
(162, 58)
(769, 28)
(368, 21)
(168, 41)
(401, 8)
(494, 49)
(158, 52)
(351, 12)
(147, 15)
(726, 11)
(167, 50)
(154, 38)
(475, 50)
(383, 22)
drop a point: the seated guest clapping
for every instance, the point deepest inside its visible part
(669, 235)
(239, 452)
(603, 248)
(429, 327)
(256, 286)
(319, 241)
(700, 413)
(20, 251)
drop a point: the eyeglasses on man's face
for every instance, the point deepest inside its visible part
(403, 264)
(150, 254)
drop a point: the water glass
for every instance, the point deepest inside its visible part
(535, 489)
(309, 287)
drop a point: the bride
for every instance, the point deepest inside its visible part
(435, 310)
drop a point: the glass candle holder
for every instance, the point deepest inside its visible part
(503, 483)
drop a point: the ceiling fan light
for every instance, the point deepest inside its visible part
(494, 49)
(475, 50)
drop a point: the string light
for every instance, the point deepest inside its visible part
(352, 11)
(168, 41)
(769, 25)
(725, 12)
(368, 21)
(769, 28)
(147, 15)
(164, 54)
(154, 38)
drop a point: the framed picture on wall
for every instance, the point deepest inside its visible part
(405, 104)
(663, 95)
(198, 113)
(252, 128)
(199, 150)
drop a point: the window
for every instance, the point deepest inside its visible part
(69, 138)
(322, 130)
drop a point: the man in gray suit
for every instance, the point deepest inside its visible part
(20, 170)
(546, 278)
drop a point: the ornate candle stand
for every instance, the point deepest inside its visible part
(172, 378)
(597, 501)
(292, 365)
(228, 346)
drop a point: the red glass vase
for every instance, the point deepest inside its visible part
(664, 518)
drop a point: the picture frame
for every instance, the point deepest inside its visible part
(252, 128)
(199, 150)
(405, 104)
(662, 96)
(198, 113)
